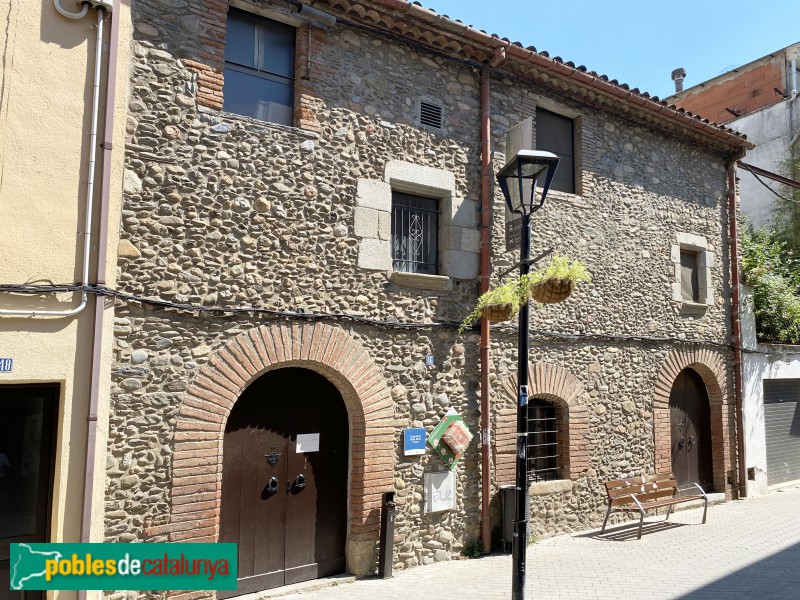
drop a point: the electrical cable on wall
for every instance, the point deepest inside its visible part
(301, 314)
(766, 185)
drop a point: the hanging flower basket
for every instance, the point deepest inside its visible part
(498, 312)
(550, 291)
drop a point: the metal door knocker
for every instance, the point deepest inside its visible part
(301, 482)
(273, 457)
(272, 486)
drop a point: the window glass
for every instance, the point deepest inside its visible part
(240, 39)
(690, 288)
(257, 97)
(277, 49)
(556, 134)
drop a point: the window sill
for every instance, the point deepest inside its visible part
(420, 281)
(693, 309)
(544, 488)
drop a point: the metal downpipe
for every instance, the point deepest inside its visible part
(736, 332)
(486, 214)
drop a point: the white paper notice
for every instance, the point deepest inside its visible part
(307, 442)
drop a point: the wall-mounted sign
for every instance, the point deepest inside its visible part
(440, 491)
(459, 436)
(429, 360)
(307, 442)
(414, 441)
(6, 365)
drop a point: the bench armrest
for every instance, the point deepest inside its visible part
(639, 504)
(692, 486)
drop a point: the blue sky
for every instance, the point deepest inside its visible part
(639, 42)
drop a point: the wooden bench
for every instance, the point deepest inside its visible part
(638, 494)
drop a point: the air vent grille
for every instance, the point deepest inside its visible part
(430, 115)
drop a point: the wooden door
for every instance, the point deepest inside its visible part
(284, 480)
(27, 451)
(690, 422)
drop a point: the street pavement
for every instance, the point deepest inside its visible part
(747, 549)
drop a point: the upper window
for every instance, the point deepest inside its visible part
(415, 227)
(542, 441)
(259, 68)
(693, 261)
(556, 134)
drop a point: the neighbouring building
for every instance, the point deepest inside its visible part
(55, 348)
(760, 100)
(302, 231)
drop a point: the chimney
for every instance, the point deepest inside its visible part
(677, 76)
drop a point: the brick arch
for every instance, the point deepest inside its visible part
(564, 390)
(711, 367)
(198, 442)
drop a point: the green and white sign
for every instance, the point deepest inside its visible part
(123, 566)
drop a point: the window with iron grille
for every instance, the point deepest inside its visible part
(415, 229)
(542, 441)
(259, 68)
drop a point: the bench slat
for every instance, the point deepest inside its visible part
(655, 495)
(671, 501)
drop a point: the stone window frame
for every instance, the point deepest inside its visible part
(459, 233)
(706, 260)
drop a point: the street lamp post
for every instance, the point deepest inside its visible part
(518, 182)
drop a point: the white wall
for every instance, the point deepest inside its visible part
(771, 130)
(765, 361)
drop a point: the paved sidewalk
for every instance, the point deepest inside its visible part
(747, 549)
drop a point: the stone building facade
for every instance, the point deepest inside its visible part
(250, 247)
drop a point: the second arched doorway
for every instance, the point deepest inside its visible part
(690, 426)
(285, 480)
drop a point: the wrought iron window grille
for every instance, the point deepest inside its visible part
(415, 234)
(542, 441)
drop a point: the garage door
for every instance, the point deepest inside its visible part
(782, 424)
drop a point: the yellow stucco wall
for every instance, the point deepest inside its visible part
(46, 77)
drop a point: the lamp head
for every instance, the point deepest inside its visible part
(518, 179)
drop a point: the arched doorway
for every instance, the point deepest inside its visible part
(690, 427)
(285, 480)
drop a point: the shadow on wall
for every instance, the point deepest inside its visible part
(768, 577)
(64, 32)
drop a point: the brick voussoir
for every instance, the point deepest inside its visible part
(250, 358)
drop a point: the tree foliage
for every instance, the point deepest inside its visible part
(771, 269)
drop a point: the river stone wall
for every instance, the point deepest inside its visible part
(638, 191)
(224, 210)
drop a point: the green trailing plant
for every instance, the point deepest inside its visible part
(771, 269)
(517, 291)
(561, 267)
